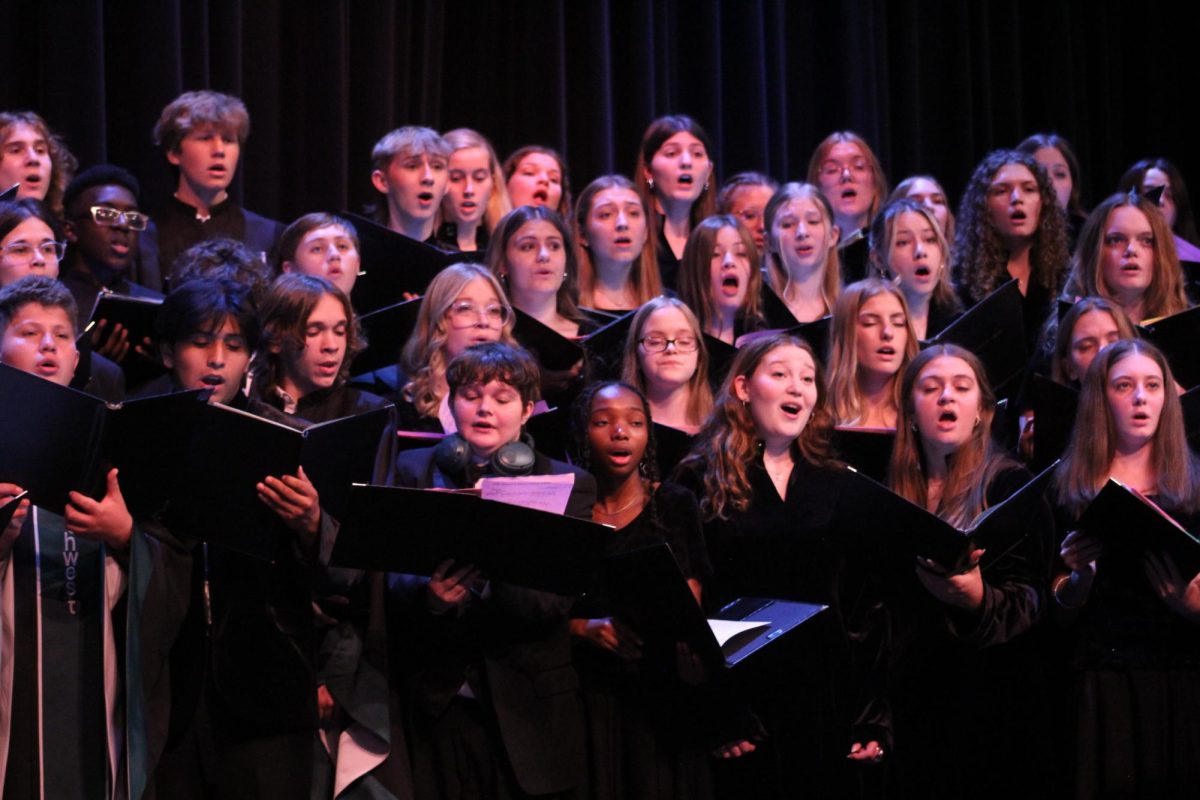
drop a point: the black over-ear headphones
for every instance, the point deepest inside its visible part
(453, 456)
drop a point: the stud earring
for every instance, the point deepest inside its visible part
(650, 184)
(706, 186)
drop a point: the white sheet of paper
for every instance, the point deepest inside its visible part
(539, 492)
(726, 629)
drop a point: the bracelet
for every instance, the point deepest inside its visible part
(1058, 583)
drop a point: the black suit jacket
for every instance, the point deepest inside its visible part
(516, 639)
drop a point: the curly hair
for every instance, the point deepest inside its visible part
(980, 258)
(62, 163)
(581, 411)
(729, 443)
(1088, 459)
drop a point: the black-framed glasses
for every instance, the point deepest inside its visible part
(111, 217)
(657, 344)
(21, 253)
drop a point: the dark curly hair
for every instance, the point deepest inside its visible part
(980, 259)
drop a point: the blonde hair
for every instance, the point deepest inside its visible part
(883, 233)
(844, 396)
(777, 274)
(424, 355)
(499, 203)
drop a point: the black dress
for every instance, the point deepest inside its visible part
(968, 689)
(638, 745)
(1134, 697)
(815, 696)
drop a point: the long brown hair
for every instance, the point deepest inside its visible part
(1086, 464)
(728, 443)
(695, 272)
(567, 301)
(644, 276)
(1165, 295)
(844, 397)
(1064, 331)
(658, 132)
(972, 468)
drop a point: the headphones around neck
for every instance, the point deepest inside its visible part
(453, 456)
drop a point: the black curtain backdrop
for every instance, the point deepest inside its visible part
(932, 84)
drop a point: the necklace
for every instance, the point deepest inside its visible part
(640, 499)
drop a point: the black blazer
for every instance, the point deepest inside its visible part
(516, 639)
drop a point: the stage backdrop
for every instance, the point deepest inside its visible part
(933, 85)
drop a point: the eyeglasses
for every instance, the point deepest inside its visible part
(658, 344)
(110, 217)
(22, 253)
(467, 315)
(831, 168)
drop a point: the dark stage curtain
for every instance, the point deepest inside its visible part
(933, 84)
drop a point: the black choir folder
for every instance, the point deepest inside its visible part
(56, 440)
(1176, 336)
(1130, 525)
(393, 265)
(386, 331)
(230, 451)
(414, 530)
(655, 600)
(992, 329)
(138, 316)
(868, 450)
(909, 530)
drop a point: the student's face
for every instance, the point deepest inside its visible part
(1014, 203)
(316, 367)
(616, 226)
(537, 181)
(535, 260)
(476, 316)
(947, 404)
(327, 252)
(1093, 331)
(846, 180)
(414, 184)
(1127, 253)
(26, 251)
(112, 246)
(916, 256)
(41, 340)
(748, 205)
(1154, 178)
(215, 359)
(1055, 164)
(617, 431)
(780, 394)
(729, 269)
(1135, 394)
(668, 369)
(680, 168)
(930, 195)
(25, 159)
(803, 235)
(207, 158)
(489, 415)
(470, 185)
(880, 335)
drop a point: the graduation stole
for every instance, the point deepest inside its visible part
(60, 583)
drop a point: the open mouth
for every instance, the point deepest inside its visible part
(48, 367)
(849, 193)
(948, 416)
(1018, 216)
(730, 285)
(923, 272)
(686, 179)
(886, 351)
(791, 409)
(212, 380)
(425, 197)
(620, 456)
(217, 170)
(1140, 416)
(33, 179)
(541, 196)
(469, 205)
(1131, 266)
(623, 241)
